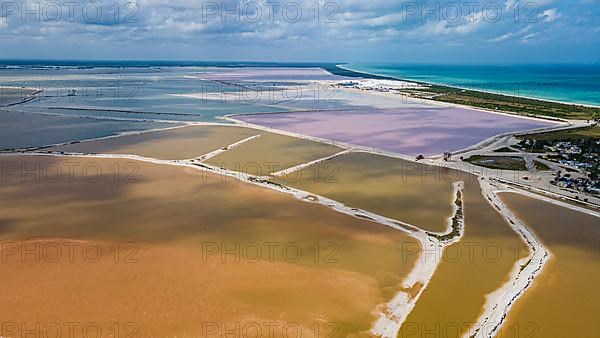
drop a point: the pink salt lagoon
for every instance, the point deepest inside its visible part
(409, 131)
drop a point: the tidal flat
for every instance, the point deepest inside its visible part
(564, 300)
(406, 191)
(270, 153)
(469, 270)
(171, 144)
(163, 220)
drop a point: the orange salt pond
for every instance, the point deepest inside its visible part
(190, 241)
(564, 300)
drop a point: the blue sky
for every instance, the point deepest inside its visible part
(502, 31)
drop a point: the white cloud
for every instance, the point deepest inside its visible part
(509, 5)
(529, 37)
(188, 24)
(511, 35)
(549, 15)
(386, 20)
(469, 25)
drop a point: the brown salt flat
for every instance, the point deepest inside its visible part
(172, 144)
(170, 213)
(271, 153)
(564, 300)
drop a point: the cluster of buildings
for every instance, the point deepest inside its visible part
(383, 86)
(582, 184)
(580, 154)
(576, 164)
(565, 147)
(579, 157)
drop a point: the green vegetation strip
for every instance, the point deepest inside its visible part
(491, 101)
(456, 221)
(520, 105)
(540, 166)
(505, 150)
(568, 134)
(498, 162)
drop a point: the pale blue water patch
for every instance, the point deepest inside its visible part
(22, 130)
(569, 83)
(161, 107)
(114, 114)
(146, 91)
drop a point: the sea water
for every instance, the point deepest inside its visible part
(566, 82)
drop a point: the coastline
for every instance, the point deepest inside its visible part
(360, 73)
(393, 313)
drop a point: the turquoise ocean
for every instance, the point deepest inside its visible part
(568, 83)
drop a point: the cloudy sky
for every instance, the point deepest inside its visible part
(507, 31)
